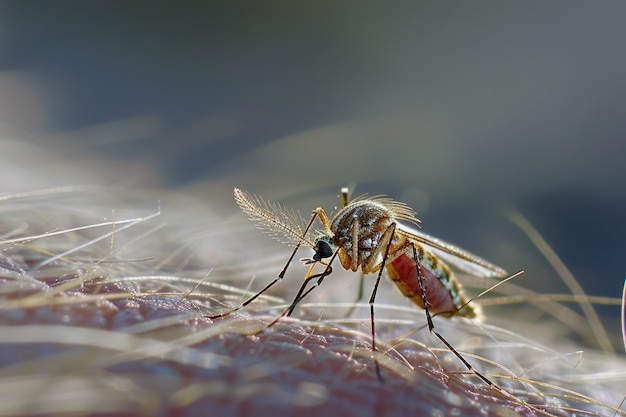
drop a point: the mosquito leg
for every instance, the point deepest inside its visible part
(245, 303)
(371, 303)
(431, 325)
(488, 382)
(420, 281)
(271, 284)
(301, 296)
(391, 231)
(431, 328)
(301, 293)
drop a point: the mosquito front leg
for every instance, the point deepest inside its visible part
(302, 293)
(280, 275)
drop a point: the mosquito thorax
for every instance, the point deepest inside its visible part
(372, 220)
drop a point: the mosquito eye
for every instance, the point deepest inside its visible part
(322, 250)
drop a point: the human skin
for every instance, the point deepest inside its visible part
(119, 326)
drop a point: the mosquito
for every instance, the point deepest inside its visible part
(366, 233)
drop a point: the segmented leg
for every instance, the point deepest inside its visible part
(272, 283)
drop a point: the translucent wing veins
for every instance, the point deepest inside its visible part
(455, 256)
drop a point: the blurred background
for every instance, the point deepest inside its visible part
(465, 111)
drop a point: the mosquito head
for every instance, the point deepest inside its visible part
(323, 248)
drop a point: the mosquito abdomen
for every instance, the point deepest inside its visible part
(443, 292)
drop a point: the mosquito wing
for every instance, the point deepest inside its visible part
(285, 225)
(453, 255)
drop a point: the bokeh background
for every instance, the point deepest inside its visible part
(464, 111)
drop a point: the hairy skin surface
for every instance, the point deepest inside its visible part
(115, 326)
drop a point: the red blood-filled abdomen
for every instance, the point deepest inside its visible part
(403, 273)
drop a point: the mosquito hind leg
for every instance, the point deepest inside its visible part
(431, 325)
(431, 328)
